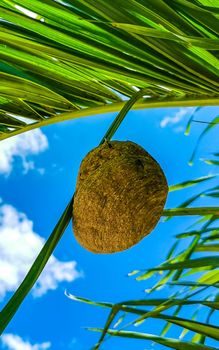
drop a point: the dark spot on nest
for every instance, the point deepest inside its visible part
(139, 163)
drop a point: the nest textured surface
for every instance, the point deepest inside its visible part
(120, 194)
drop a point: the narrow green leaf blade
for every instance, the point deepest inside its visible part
(168, 342)
(14, 303)
(190, 183)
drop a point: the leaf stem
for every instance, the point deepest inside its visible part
(115, 107)
(12, 306)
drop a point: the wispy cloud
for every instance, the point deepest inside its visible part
(22, 146)
(175, 119)
(19, 246)
(14, 342)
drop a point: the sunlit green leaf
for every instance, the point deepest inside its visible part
(186, 184)
(171, 343)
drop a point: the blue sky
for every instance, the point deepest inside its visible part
(38, 172)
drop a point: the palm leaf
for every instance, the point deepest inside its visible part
(10, 309)
(168, 342)
(65, 60)
(175, 264)
(92, 57)
(190, 183)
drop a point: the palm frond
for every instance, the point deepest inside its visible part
(175, 274)
(64, 60)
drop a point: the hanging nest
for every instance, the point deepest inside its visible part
(120, 194)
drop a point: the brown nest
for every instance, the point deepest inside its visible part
(120, 194)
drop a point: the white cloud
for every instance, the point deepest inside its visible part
(19, 246)
(14, 342)
(167, 120)
(24, 145)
